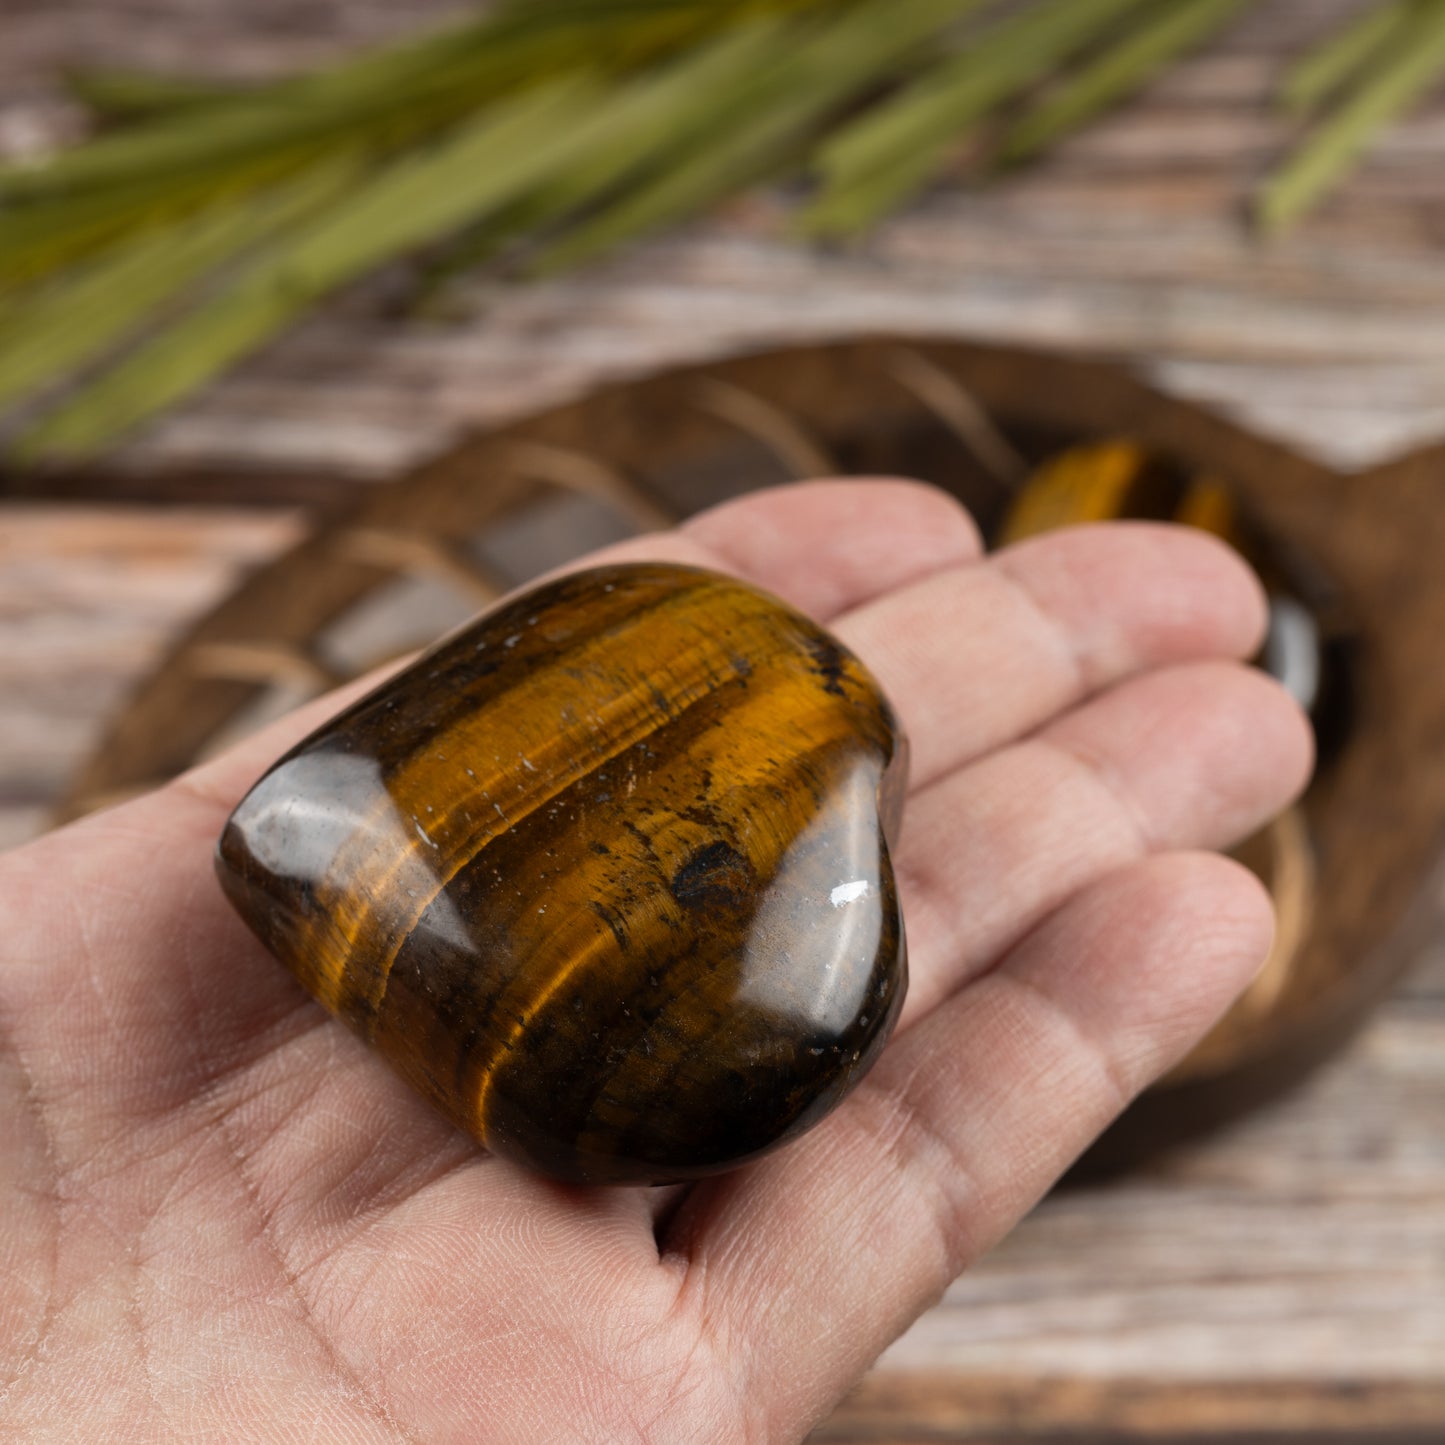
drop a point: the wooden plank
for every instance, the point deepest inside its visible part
(90, 597)
(1007, 1409)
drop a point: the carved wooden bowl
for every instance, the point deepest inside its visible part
(1351, 869)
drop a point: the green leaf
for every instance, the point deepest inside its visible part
(85, 315)
(231, 324)
(481, 167)
(1406, 70)
(739, 134)
(660, 111)
(873, 164)
(131, 95)
(217, 136)
(421, 83)
(40, 239)
(1120, 71)
(655, 113)
(1344, 55)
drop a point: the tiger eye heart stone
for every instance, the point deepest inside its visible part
(605, 875)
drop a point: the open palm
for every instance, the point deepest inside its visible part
(221, 1219)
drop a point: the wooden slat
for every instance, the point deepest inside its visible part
(90, 597)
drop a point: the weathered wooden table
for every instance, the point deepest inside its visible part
(1285, 1280)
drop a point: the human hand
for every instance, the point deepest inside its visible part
(222, 1219)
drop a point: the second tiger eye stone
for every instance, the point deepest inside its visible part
(605, 875)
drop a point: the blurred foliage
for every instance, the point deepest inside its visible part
(203, 219)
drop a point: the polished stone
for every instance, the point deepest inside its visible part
(605, 875)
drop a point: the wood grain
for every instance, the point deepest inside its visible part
(90, 598)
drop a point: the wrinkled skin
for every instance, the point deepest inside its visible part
(220, 1219)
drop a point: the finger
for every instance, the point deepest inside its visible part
(975, 655)
(830, 545)
(1189, 757)
(823, 546)
(803, 1268)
